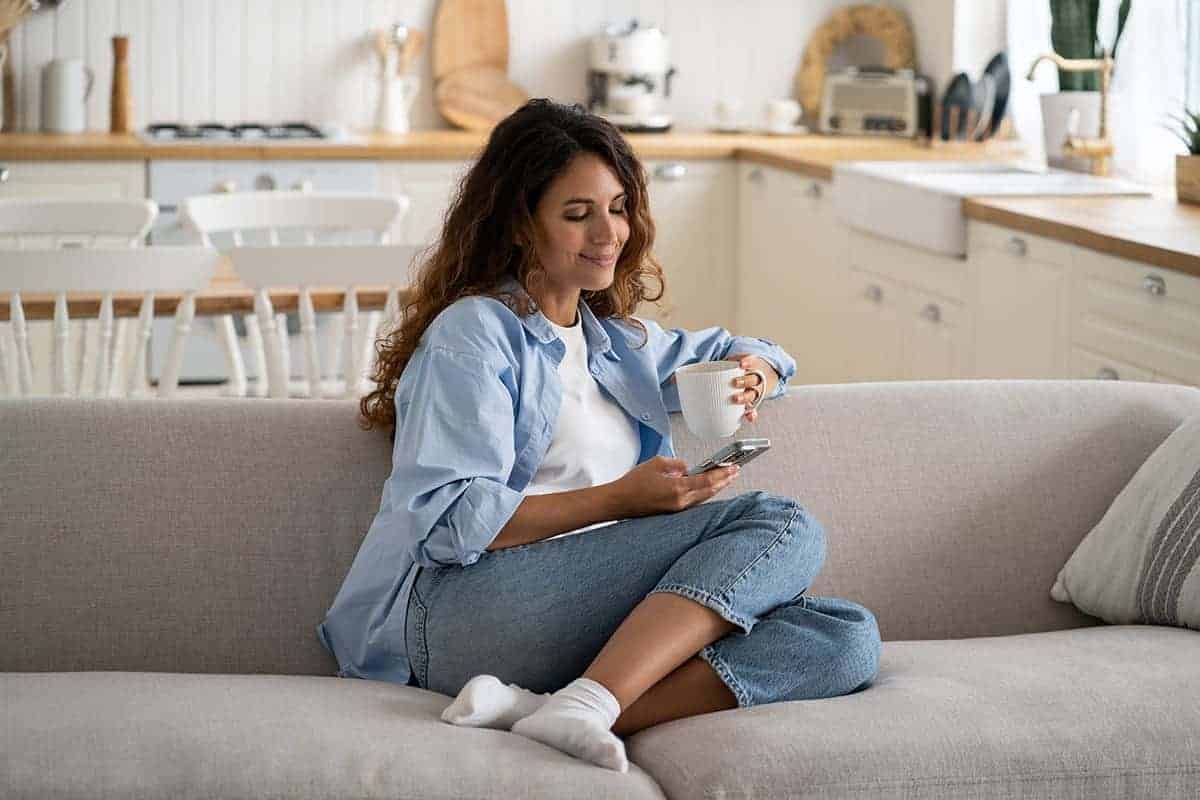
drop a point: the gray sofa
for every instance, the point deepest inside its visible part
(163, 565)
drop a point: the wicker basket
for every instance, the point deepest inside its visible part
(1187, 179)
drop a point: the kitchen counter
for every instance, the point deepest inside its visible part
(1157, 230)
(813, 154)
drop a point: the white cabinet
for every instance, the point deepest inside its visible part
(1019, 300)
(906, 318)
(430, 186)
(694, 205)
(792, 253)
(78, 180)
(1135, 319)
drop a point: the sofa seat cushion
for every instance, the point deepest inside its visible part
(1102, 712)
(130, 734)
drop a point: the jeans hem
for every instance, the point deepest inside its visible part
(707, 600)
(710, 657)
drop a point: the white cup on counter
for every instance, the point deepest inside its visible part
(782, 113)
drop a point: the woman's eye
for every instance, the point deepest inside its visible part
(620, 210)
(576, 218)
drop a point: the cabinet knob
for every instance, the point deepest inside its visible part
(265, 183)
(1155, 285)
(670, 172)
(1017, 246)
(1108, 374)
(227, 187)
(932, 312)
(756, 176)
(4, 174)
(874, 293)
(814, 190)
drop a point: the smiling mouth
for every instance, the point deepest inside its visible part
(600, 261)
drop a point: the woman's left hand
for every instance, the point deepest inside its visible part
(751, 388)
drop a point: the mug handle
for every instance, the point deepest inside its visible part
(761, 387)
(91, 79)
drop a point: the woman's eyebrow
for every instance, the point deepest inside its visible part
(586, 201)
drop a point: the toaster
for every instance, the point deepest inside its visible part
(875, 101)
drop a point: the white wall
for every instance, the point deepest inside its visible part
(275, 60)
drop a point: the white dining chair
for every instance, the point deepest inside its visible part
(62, 222)
(348, 267)
(294, 219)
(103, 271)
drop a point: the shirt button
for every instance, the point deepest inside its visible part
(595, 369)
(645, 417)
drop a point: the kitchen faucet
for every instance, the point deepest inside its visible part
(1100, 149)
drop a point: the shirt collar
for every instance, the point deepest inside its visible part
(537, 324)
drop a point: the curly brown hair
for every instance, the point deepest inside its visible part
(492, 214)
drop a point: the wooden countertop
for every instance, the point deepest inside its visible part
(811, 154)
(1157, 230)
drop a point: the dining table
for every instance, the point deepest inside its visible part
(226, 294)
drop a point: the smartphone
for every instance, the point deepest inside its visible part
(739, 452)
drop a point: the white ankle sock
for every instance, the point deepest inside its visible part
(578, 720)
(486, 702)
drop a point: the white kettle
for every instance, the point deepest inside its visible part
(66, 85)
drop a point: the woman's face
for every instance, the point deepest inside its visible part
(580, 226)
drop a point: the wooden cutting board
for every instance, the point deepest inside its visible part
(469, 33)
(477, 97)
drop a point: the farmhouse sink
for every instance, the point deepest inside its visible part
(920, 202)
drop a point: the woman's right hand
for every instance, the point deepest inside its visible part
(662, 485)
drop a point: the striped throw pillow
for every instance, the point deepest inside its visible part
(1141, 563)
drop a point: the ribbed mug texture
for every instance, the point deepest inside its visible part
(706, 393)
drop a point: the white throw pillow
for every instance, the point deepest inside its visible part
(1141, 563)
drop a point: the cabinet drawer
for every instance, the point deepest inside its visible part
(1085, 363)
(1148, 299)
(942, 275)
(984, 236)
(1156, 353)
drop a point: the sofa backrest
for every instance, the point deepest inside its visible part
(211, 535)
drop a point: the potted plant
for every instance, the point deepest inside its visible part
(1074, 26)
(1187, 166)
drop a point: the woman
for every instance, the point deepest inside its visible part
(536, 534)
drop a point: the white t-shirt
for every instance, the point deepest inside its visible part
(594, 441)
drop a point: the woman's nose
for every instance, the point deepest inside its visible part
(605, 230)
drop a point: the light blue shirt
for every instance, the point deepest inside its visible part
(476, 408)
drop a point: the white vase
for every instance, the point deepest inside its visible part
(1057, 109)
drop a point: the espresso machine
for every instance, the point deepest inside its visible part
(629, 77)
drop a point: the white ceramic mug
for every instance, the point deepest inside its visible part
(782, 113)
(66, 84)
(706, 396)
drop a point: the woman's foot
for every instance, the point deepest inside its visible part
(578, 720)
(486, 702)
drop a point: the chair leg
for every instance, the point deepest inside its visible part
(255, 338)
(233, 355)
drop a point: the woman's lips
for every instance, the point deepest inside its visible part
(599, 261)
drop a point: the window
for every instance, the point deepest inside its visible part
(1193, 54)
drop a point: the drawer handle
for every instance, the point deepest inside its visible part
(932, 312)
(814, 190)
(874, 293)
(1017, 246)
(756, 176)
(1108, 374)
(226, 187)
(670, 172)
(1155, 285)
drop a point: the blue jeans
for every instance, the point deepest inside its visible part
(537, 614)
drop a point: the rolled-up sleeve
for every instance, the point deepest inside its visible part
(453, 454)
(675, 347)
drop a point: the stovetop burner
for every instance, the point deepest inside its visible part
(172, 131)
